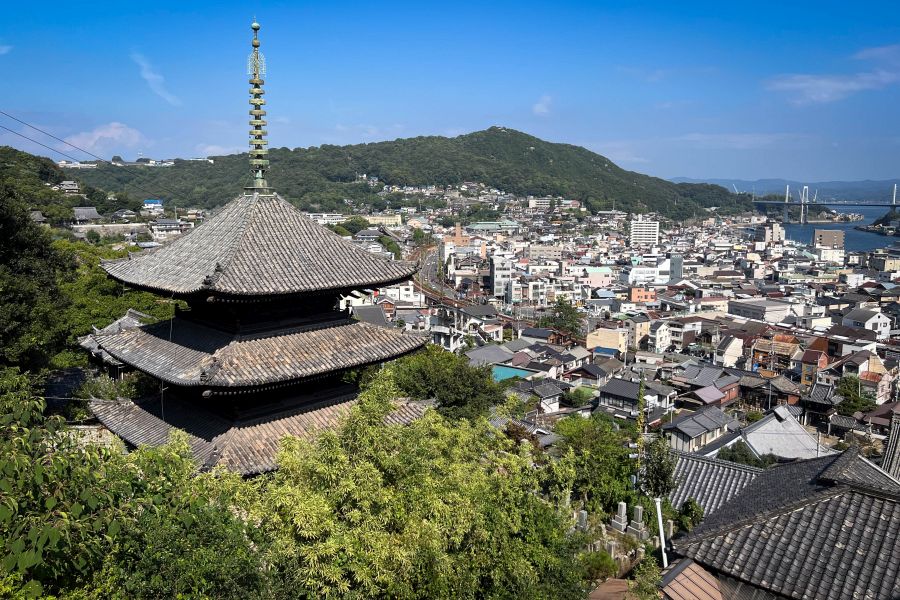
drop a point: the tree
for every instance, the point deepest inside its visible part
(740, 452)
(598, 565)
(854, 399)
(31, 329)
(355, 224)
(418, 237)
(461, 391)
(602, 466)
(658, 477)
(76, 515)
(434, 509)
(647, 578)
(391, 246)
(564, 317)
(578, 396)
(690, 514)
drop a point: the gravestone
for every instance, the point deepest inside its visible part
(620, 519)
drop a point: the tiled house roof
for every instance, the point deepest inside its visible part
(709, 481)
(258, 245)
(825, 528)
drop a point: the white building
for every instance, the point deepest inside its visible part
(327, 218)
(872, 320)
(644, 232)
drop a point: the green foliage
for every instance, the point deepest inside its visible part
(690, 514)
(602, 466)
(436, 509)
(658, 476)
(94, 299)
(753, 416)
(355, 224)
(461, 391)
(598, 566)
(563, 317)
(439, 508)
(31, 329)
(340, 230)
(391, 246)
(740, 452)
(855, 400)
(195, 551)
(418, 237)
(647, 578)
(322, 177)
(578, 396)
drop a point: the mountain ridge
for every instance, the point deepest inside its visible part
(321, 177)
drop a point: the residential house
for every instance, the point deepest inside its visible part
(85, 214)
(691, 431)
(729, 351)
(873, 320)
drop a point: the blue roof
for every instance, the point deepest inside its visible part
(153, 201)
(605, 351)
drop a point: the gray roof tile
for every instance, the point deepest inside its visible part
(185, 353)
(826, 528)
(258, 245)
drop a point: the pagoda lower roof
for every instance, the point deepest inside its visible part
(258, 245)
(248, 447)
(186, 353)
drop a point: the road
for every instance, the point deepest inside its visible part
(428, 281)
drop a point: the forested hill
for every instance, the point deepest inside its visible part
(321, 177)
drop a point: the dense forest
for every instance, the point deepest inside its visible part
(322, 177)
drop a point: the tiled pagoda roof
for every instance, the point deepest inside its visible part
(258, 245)
(186, 353)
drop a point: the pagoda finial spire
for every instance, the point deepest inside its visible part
(256, 69)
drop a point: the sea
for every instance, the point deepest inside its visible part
(854, 240)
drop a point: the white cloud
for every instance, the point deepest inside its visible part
(823, 88)
(111, 137)
(5, 50)
(154, 80)
(542, 106)
(620, 152)
(889, 53)
(820, 89)
(217, 150)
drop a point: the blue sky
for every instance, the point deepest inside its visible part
(809, 91)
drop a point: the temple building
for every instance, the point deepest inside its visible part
(261, 348)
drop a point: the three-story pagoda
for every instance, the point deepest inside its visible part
(260, 351)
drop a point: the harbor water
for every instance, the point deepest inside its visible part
(854, 240)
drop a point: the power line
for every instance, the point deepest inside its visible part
(38, 143)
(61, 153)
(58, 139)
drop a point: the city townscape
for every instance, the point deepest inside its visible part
(362, 372)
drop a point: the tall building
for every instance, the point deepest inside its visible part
(644, 232)
(770, 233)
(260, 350)
(828, 238)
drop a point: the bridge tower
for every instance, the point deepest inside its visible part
(787, 199)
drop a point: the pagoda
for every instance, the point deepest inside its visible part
(260, 350)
